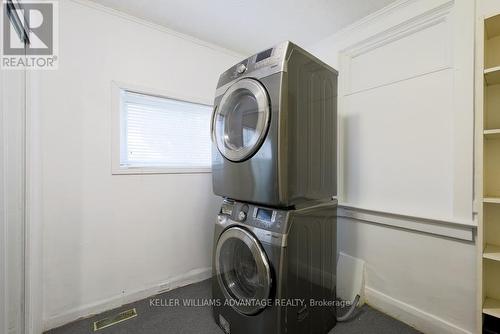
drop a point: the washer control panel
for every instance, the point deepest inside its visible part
(265, 218)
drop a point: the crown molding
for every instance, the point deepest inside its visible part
(158, 27)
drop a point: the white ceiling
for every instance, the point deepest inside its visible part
(249, 26)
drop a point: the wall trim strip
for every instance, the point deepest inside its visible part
(461, 230)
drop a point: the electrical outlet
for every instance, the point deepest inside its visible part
(164, 287)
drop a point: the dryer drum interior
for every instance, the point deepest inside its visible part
(241, 120)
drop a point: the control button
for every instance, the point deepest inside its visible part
(227, 209)
(242, 215)
(241, 68)
(221, 220)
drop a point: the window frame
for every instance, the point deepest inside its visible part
(117, 121)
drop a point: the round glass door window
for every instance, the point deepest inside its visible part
(241, 120)
(242, 270)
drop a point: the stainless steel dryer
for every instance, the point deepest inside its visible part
(274, 129)
(269, 264)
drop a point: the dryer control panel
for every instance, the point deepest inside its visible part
(259, 65)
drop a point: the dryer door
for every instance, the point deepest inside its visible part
(241, 120)
(243, 270)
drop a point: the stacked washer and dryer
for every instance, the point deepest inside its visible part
(274, 132)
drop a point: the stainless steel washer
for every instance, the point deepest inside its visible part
(266, 260)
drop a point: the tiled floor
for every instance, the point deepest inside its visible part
(186, 320)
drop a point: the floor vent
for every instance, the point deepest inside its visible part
(110, 321)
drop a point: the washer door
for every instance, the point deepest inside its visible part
(241, 120)
(243, 270)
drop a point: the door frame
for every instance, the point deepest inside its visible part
(29, 206)
(33, 210)
(13, 200)
(3, 239)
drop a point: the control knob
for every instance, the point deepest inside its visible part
(242, 215)
(241, 68)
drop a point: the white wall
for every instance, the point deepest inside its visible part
(115, 238)
(487, 8)
(407, 73)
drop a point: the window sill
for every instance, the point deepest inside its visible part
(160, 170)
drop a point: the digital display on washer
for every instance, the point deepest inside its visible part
(263, 55)
(264, 214)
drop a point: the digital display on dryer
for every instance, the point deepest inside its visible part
(264, 214)
(263, 55)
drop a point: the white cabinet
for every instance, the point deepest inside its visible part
(488, 160)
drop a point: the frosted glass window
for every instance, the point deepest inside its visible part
(162, 132)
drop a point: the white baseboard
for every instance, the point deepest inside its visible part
(419, 319)
(84, 311)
